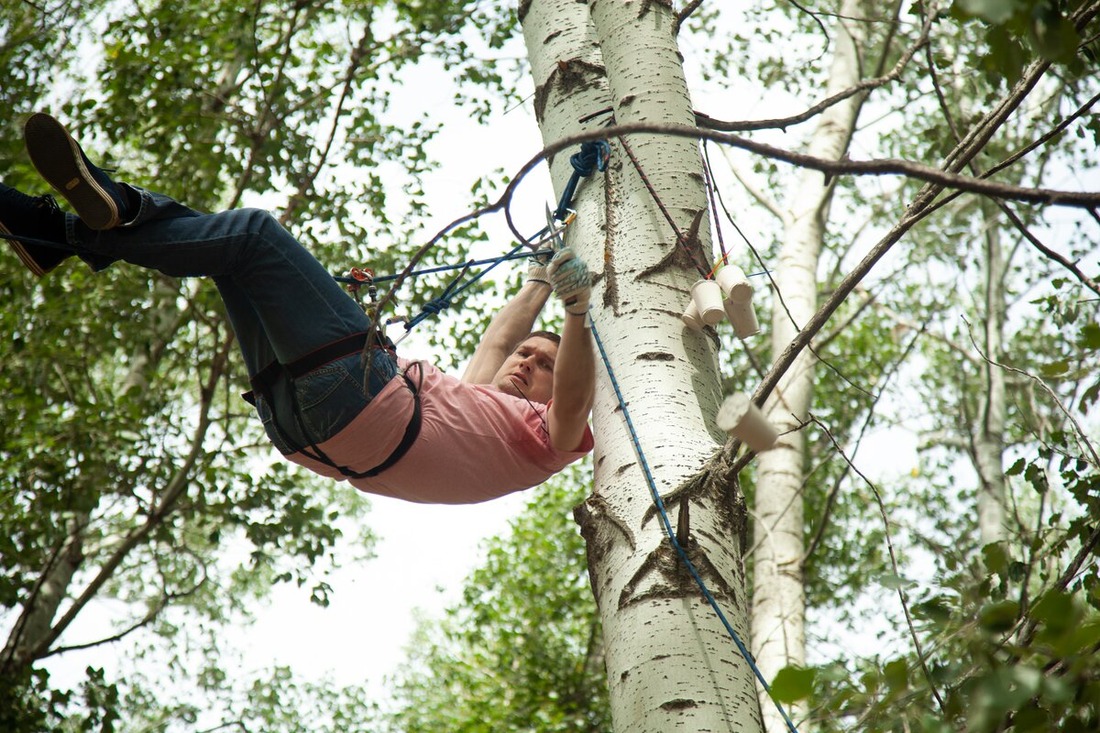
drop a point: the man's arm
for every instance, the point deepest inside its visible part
(575, 368)
(507, 329)
(574, 384)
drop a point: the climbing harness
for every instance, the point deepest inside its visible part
(267, 379)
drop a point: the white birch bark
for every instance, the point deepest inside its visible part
(778, 601)
(989, 435)
(670, 663)
(29, 636)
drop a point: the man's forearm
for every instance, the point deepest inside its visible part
(574, 384)
(505, 332)
(515, 320)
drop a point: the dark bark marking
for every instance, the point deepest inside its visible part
(663, 575)
(687, 255)
(569, 75)
(598, 523)
(679, 704)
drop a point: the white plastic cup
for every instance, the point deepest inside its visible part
(742, 419)
(734, 283)
(743, 317)
(691, 317)
(707, 296)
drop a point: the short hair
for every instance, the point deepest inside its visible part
(548, 335)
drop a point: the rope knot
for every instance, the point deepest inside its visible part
(593, 156)
(437, 306)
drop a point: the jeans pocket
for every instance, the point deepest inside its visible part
(330, 397)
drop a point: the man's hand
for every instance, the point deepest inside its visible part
(536, 267)
(571, 281)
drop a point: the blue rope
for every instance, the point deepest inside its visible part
(438, 305)
(514, 255)
(593, 156)
(672, 532)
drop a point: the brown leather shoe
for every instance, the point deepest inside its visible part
(99, 201)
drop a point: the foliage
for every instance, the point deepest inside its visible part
(120, 429)
(1011, 644)
(522, 650)
(273, 700)
(130, 469)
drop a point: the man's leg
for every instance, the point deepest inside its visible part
(299, 305)
(282, 302)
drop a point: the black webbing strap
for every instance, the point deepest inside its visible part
(412, 432)
(265, 378)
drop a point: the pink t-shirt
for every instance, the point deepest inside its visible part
(476, 442)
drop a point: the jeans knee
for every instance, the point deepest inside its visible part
(262, 230)
(257, 221)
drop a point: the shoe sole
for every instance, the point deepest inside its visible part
(60, 161)
(24, 256)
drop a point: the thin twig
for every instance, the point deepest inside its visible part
(893, 562)
(783, 123)
(1083, 438)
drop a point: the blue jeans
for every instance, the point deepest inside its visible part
(281, 303)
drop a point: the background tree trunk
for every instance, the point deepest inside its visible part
(989, 441)
(778, 600)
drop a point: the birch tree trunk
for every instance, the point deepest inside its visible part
(28, 635)
(989, 442)
(671, 664)
(778, 600)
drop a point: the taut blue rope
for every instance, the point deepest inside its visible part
(660, 504)
(513, 255)
(438, 305)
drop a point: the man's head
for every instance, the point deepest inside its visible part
(529, 370)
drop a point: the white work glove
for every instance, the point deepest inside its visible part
(536, 267)
(571, 281)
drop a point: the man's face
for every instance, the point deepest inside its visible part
(529, 370)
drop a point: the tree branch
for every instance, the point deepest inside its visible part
(782, 123)
(686, 12)
(164, 508)
(1082, 436)
(921, 656)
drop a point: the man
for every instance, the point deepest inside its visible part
(331, 397)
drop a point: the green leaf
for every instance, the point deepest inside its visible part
(1054, 368)
(792, 684)
(936, 609)
(1055, 609)
(897, 675)
(999, 617)
(995, 11)
(1089, 337)
(995, 556)
(1055, 37)
(895, 582)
